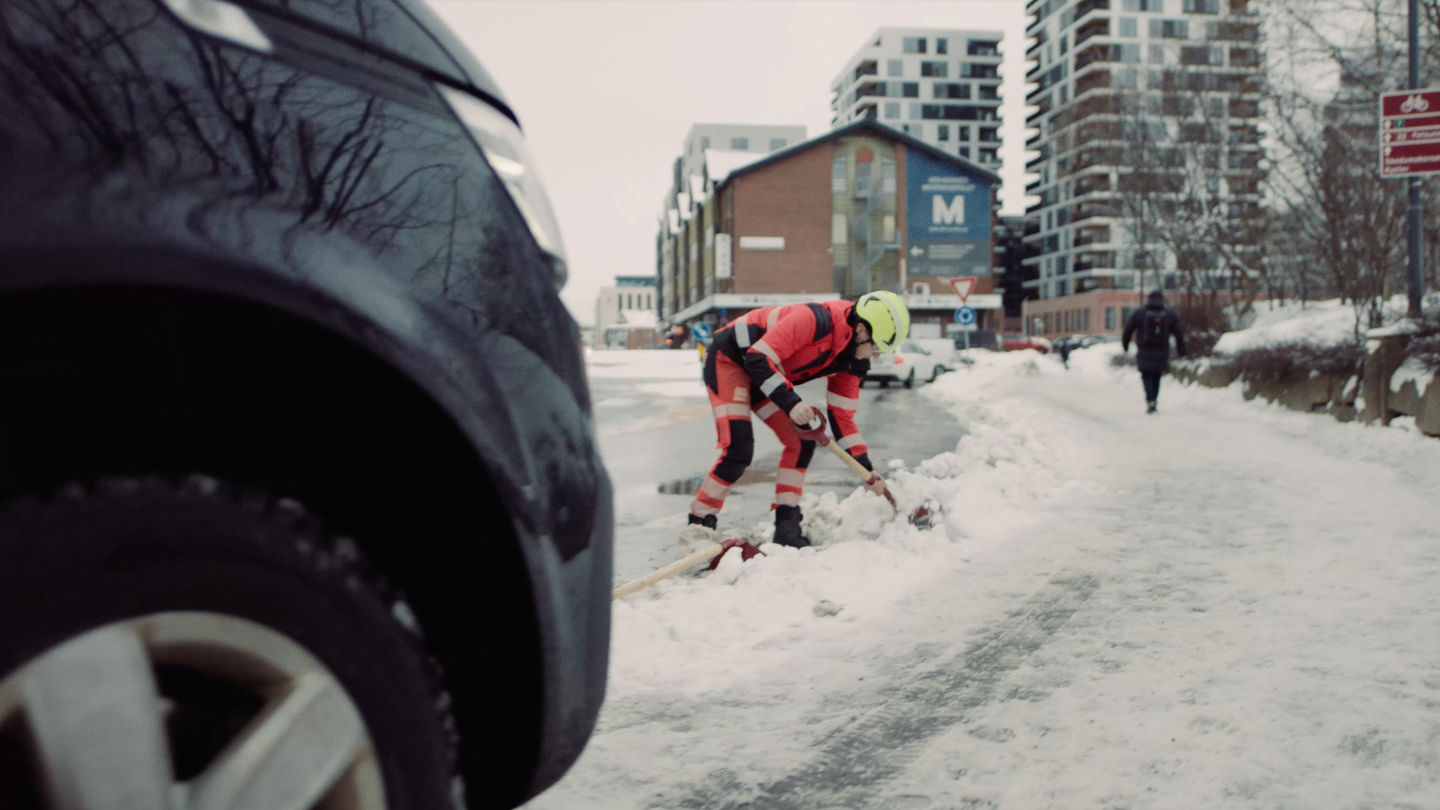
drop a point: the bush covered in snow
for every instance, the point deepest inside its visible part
(1286, 360)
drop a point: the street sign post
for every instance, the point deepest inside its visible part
(963, 286)
(965, 316)
(1409, 133)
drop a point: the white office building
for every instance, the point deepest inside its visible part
(624, 309)
(940, 86)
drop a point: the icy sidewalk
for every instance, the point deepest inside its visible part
(1224, 605)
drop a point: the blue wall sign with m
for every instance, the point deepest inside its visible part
(947, 218)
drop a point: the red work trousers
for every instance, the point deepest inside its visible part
(732, 398)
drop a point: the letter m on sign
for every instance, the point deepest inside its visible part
(951, 213)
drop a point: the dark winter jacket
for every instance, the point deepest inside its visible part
(1154, 357)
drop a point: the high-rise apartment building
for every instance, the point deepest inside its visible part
(1147, 145)
(938, 86)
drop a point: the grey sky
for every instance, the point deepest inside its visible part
(606, 92)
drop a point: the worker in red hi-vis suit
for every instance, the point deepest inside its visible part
(755, 362)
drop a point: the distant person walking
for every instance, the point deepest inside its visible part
(1152, 327)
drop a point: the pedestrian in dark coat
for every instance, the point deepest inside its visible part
(1152, 327)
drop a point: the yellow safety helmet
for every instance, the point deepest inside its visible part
(886, 315)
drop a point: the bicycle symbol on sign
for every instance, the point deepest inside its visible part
(1415, 103)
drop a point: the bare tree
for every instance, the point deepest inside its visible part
(1334, 60)
(1190, 188)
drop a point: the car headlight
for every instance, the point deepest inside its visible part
(504, 147)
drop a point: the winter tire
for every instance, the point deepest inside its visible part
(910, 381)
(181, 646)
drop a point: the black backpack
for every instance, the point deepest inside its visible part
(1153, 330)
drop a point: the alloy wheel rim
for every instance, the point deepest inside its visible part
(125, 716)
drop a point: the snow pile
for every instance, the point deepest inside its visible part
(1318, 323)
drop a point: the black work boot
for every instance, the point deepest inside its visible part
(709, 521)
(787, 527)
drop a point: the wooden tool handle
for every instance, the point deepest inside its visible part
(668, 571)
(865, 475)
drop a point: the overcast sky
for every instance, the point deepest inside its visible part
(606, 92)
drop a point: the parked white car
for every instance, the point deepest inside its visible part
(911, 362)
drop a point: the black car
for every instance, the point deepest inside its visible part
(300, 503)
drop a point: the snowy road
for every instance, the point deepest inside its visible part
(1225, 605)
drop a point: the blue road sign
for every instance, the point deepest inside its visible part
(965, 316)
(700, 331)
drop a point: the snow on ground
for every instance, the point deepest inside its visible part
(1227, 604)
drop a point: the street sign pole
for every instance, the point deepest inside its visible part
(1415, 210)
(1410, 147)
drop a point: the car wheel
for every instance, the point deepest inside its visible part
(936, 372)
(165, 637)
(910, 381)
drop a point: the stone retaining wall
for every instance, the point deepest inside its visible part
(1388, 387)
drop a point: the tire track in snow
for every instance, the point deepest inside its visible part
(876, 745)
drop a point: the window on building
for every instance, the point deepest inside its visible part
(941, 45)
(989, 91)
(1128, 28)
(837, 175)
(1169, 29)
(1064, 44)
(963, 134)
(892, 109)
(910, 89)
(895, 67)
(965, 152)
(913, 45)
(1126, 52)
(1200, 6)
(935, 70)
(887, 176)
(942, 132)
(777, 143)
(739, 143)
(839, 229)
(1156, 6)
(862, 176)
(989, 134)
(887, 228)
(1194, 55)
(1157, 54)
(983, 47)
(1109, 317)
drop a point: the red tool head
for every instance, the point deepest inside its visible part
(746, 551)
(925, 514)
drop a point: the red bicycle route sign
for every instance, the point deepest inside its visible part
(1409, 133)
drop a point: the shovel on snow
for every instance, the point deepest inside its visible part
(924, 515)
(715, 550)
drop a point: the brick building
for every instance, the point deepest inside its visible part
(863, 207)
